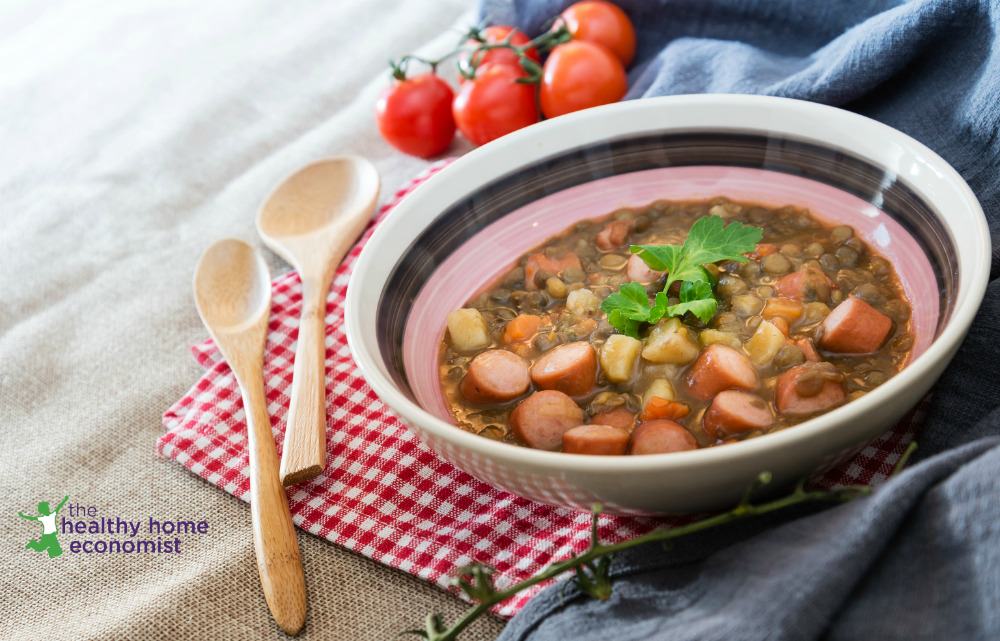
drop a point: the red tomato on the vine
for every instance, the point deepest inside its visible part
(578, 75)
(414, 115)
(494, 104)
(498, 33)
(602, 23)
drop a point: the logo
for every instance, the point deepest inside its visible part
(90, 530)
(48, 541)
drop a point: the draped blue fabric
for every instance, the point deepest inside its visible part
(920, 559)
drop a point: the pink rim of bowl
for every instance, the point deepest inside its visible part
(494, 249)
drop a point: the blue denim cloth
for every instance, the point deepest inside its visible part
(920, 559)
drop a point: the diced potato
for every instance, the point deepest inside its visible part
(618, 356)
(583, 302)
(764, 343)
(670, 342)
(467, 329)
(659, 387)
(710, 336)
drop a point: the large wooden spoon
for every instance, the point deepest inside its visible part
(232, 289)
(311, 220)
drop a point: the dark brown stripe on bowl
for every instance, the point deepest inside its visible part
(836, 168)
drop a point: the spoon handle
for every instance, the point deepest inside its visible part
(303, 454)
(277, 549)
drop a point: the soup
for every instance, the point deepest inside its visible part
(807, 319)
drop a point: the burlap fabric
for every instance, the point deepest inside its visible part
(134, 134)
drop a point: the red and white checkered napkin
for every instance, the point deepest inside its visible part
(384, 494)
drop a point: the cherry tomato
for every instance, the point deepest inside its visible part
(579, 75)
(414, 115)
(499, 33)
(603, 24)
(494, 104)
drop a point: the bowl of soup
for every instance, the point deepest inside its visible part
(648, 304)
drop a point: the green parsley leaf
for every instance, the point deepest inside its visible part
(627, 307)
(661, 307)
(697, 298)
(709, 241)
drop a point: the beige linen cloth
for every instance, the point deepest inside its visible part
(133, 134)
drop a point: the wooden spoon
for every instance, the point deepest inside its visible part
(311, 220)
(232, 289)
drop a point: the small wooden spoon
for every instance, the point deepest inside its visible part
(311, 220)
(232, 289)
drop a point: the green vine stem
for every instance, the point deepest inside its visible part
(592, 567)
(467, 65)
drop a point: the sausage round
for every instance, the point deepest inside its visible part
(540, 420)
(720, 367)
(569, 368)
(791, 403)
(854, 327)
(595, 439)
(614, 234)
(619, 417)
(495, 376)
(733, 412)
(639, 272)
(807, 284)
(661, 436)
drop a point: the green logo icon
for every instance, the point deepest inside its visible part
(48, 541)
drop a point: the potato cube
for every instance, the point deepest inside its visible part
(659, 387)
(670, 342)
(583, 302)
(618, 356)
(467, 329)
(765, 343)
(710, 336)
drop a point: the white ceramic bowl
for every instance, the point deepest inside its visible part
(443, 243)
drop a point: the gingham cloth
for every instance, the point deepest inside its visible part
(384, 494)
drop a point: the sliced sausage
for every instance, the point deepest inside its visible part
(539, 264)
(720, 367)
(807, 284)
(569, 368)
(495, 376)
(808, 350)
(660, 437)
(792, 397)
(733, 412)
(639, 272)
(595, 439)
(540, 420)
(854, 327)
(619, 417)
(614, 234)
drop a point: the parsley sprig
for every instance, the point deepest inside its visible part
(709, 240)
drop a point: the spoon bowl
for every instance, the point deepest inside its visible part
(323, 198)
(232, 287)
(311, 220)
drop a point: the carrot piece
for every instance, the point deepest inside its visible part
(659, 407)
(781, 324)
(764, 249)
(786, 308)
(521, 328)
